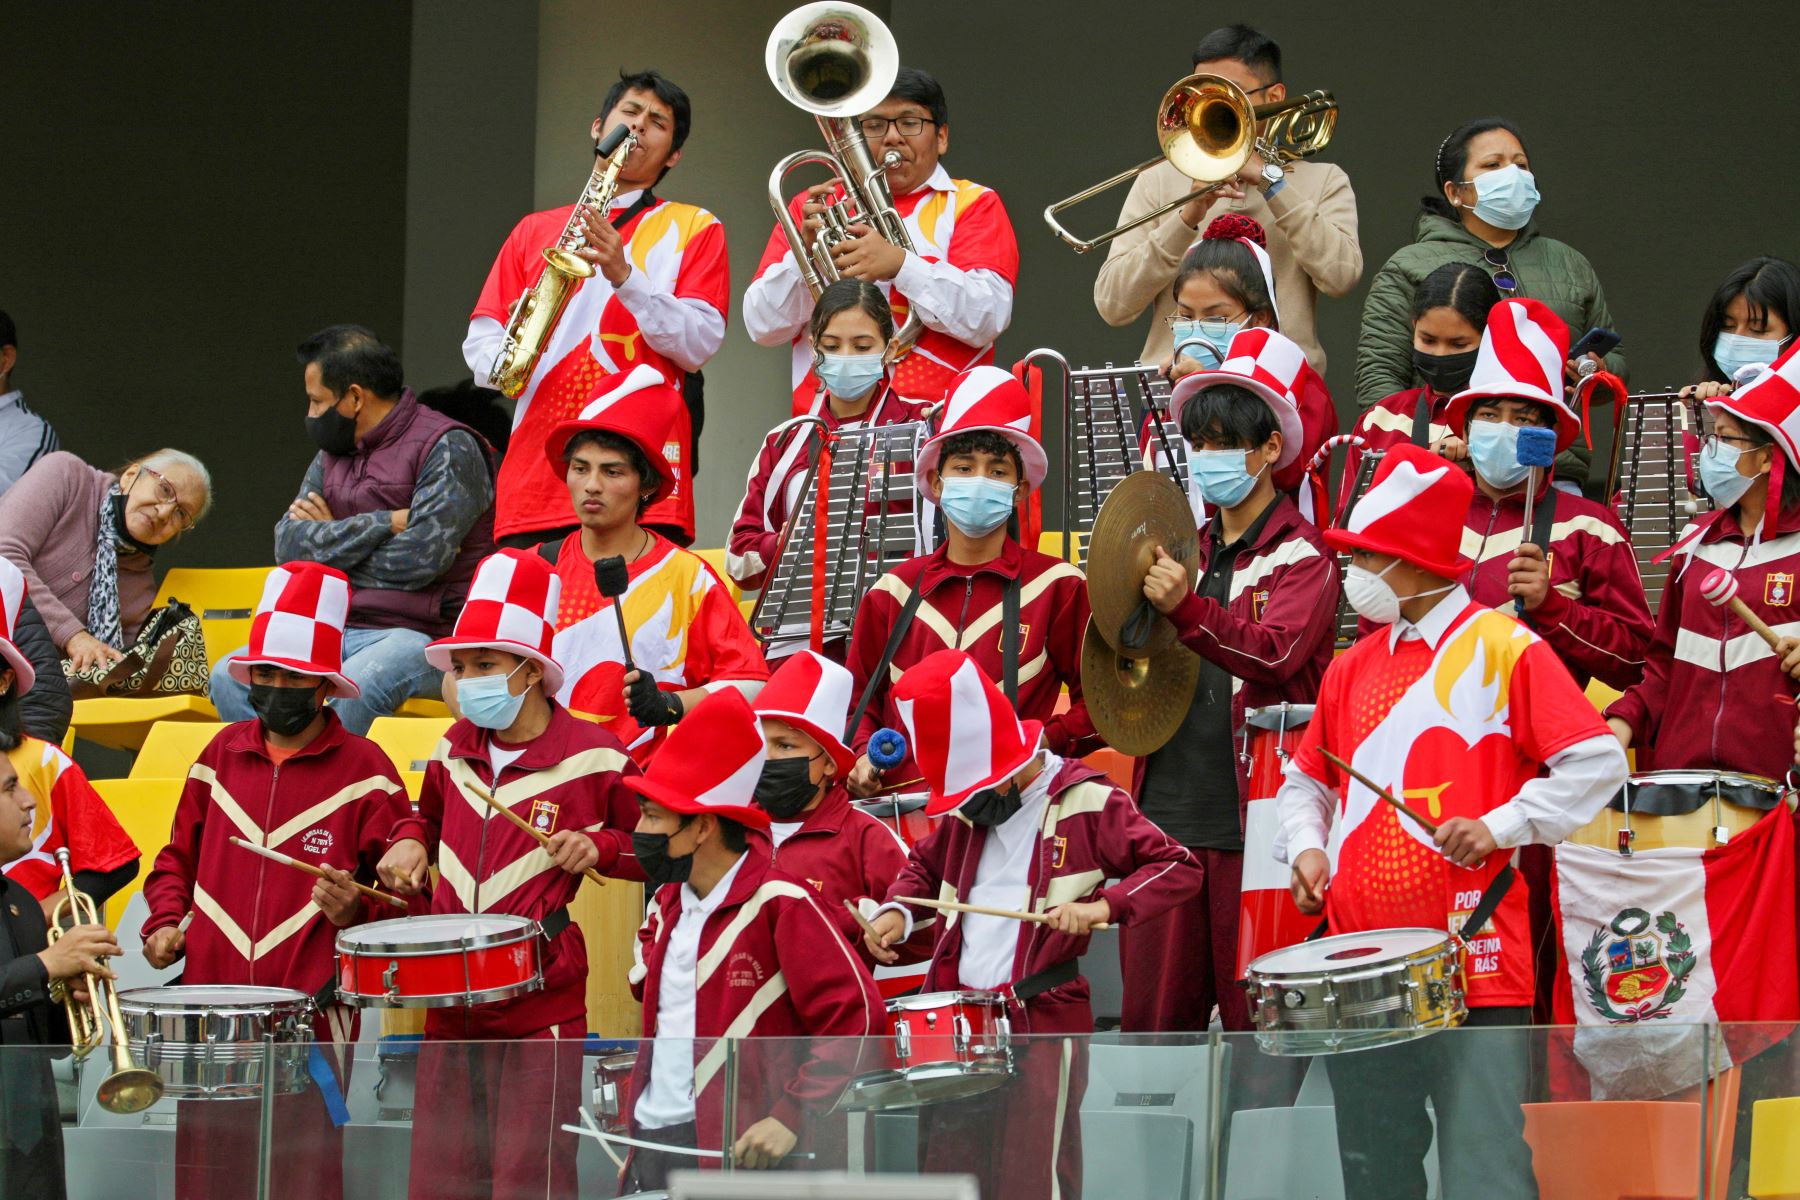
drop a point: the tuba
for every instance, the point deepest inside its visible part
(534, 316)
(837, 61)
(1206, 127)
(130, 1088)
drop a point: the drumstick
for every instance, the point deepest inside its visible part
(951, 906)
(1428, 826)
(862, 921)
(543, 839)
(1720, 588)
(289, 861)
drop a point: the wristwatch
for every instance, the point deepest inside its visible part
(1273, 179)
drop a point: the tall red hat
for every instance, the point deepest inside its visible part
(299, 625)
(639, 406)
(811, 693)
(991, 399)
(711, 762)
(965, 736)
(12, 600)
(1523, 352)
(1770, 401)
(1414, 509)
(512, 607)
(1273, 367)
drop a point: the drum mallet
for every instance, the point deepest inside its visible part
(1537, 451)
(290, 861)
(1720, 588)
(887, 749)
(611, 578)
(543, 839)
(1429, 827)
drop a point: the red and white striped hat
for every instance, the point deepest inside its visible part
(964, 735)
(991, 399)
(1770, 401)
(299, 625)
(711, 762)
(639, 406)
(12, 600)
(1274, 367)
(1414, 509)
(811, 693)
(512, 607)
(1523, 351)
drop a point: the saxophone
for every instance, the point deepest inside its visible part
(534, 316)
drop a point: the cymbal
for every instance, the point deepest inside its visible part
(1146, 510)
(1137, 704)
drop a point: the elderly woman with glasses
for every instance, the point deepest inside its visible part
(84, 539)
(1481, 213)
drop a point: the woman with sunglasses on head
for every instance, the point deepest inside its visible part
(85, 540)
(1750, 321)
(1482, 213)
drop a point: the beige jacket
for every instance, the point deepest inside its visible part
(1311, 227)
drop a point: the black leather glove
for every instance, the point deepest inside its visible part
(650, 705)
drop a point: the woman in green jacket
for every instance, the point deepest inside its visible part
(1482, 215)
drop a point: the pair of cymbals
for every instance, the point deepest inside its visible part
(1137, 678)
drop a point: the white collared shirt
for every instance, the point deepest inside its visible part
(1003, 880)
(669, 1098)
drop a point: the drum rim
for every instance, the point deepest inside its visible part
(1260, 717)
(1269, 1040)
(524, 932)
(146, 1000)
(975, 996)
(896, 804)
(1446, 943)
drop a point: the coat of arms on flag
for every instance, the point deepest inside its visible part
(1636, 966)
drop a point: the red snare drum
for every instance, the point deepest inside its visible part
(946, 1045)
(446, 960)
(612, 1092)
(1267, 918)
(903, 812)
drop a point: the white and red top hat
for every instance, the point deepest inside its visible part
(812, 693)
(1523, 352)
(512, 607)
(1272, 366)
(991, 399)
(639, 406)
(1414, 509)
(12, 600)
(711, 762)
(299, 625)
(1770, 400)
(965, 736)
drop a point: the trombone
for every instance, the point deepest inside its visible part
(1207, 129)
(130, 1088)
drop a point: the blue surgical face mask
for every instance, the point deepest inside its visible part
(1506, 198)
(1734, 351)
(1223, 476)
(1494, 447)
(488, 702)
(977, 506)
(1717, 466)
(849, 376)
(1204, 341)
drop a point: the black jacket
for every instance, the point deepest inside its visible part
(44, 711)
(30, 1124)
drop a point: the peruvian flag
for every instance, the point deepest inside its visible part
(1267, 918)
(1667, 941)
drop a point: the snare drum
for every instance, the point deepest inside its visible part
(1267, 918)
(945, 1046)
(446, 960)
(612, 1092)
(206, 1040)
(1355, 991)
(903, 812)
(1691, 809)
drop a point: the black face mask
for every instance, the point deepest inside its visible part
(284, 711)
(1445, 374)
(125, 540)
(660, 867)
(991, 806)
(785, 787)
(333, 432)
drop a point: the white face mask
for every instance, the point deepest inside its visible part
(1374, 598)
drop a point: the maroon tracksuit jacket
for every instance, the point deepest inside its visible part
(331, 803)
(842, 853)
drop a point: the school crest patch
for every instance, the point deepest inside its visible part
(1778, 588)
(543, 816)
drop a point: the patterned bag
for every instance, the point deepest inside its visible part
(168, 659)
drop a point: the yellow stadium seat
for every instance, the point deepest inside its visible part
(408, 741)
(420, 706)
(716, 560)
(146, 810)
(122, 722)
(224, 599)
(171, 747)
(1775, 1149)
(1050, 542)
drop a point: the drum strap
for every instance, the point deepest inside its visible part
(1050, 977)
(1421, 429)
(879, 674)
(329, 1091)
(554, 924)
(1482, 913)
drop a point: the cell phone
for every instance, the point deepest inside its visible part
(1595, 341)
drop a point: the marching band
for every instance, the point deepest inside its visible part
(1358, 717)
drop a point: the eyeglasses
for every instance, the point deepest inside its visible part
(1711, 440)
(875, 128)
(166, 498)
(1504, 279)
(1208, 326)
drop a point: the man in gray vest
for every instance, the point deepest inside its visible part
(401, 499)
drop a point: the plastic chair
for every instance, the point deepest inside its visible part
(408, 741)
(1148, 1154)
(716, 560)
(1051, 542)
(1775, 1149)
(123, 722)
(1284, 1153)
(224, 599)
(1614, 1149)
(1123, 1079)
(171, 747)
(422, 706)
(145, 808)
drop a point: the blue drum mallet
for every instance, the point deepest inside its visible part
(887, 749)
(1537, 451)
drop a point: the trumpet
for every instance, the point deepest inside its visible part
(837, 61)
(1207, 129)
(130, 1088)
(533, 318)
